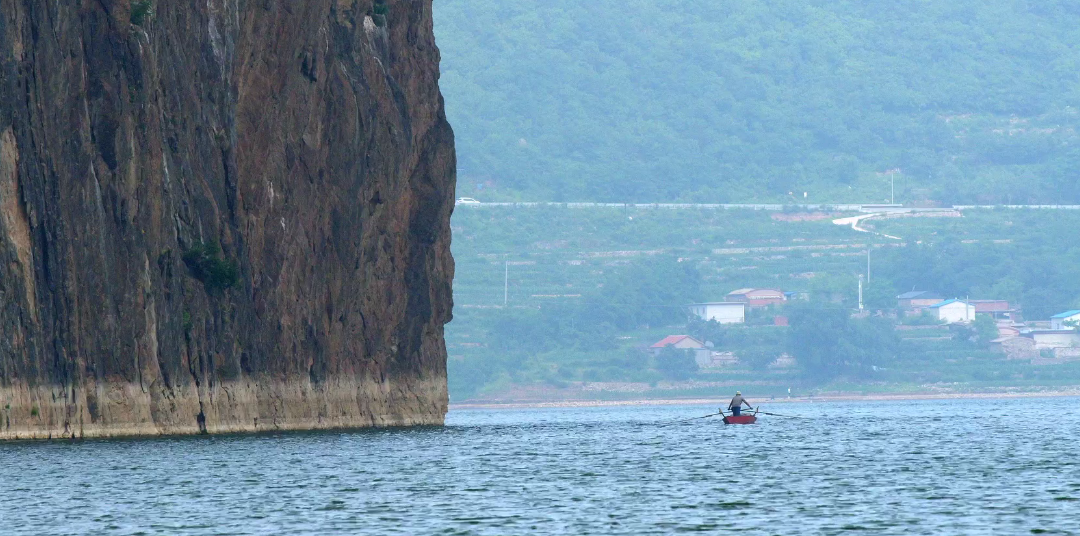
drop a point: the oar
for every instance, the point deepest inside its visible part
(779, 415)
(703, 417)
(696, 418)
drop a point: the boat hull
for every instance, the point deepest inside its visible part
(741, 419)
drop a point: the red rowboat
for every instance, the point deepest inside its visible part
(741, 419)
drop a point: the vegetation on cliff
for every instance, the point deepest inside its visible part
(207, 265)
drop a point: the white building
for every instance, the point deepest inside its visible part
(1064, 320)
(954, 311)
(722, 312)
(1055, 338)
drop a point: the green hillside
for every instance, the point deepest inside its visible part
(585, 289)
(973, 101)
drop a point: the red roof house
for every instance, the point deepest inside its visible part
(757, 297)
(678, 341)
(702, 354)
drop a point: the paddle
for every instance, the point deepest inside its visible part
(702, 417)
(694, 418)
(779, 415)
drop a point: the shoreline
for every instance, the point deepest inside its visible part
(839, 397)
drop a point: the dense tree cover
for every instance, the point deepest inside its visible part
(676, 364)
(656, 100)
(828, 342)
(984, 330)
(650, 292)
(757, 347)
(1039, 277)
(542, 342)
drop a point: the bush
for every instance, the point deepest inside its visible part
(828, 343)
(985, 330)
(676, 364)
(379, 13)
(207, 265)
(140, 11)
(927, 318)
(757, 358)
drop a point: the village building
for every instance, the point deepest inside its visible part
(702, 352)
(999, 309)
(954, 311)
(1055, 338)
(757, 297)
(1065, 320)
(917, 299)
(722, 312)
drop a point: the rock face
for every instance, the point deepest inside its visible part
(223, 215)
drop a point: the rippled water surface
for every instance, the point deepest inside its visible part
(955, 467)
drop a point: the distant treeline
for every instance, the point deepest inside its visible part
(973, 101)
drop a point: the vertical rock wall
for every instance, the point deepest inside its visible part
(221, 215)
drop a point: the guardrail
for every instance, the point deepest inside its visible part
(845, 207)
(676, 206)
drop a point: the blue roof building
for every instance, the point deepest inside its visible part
(1065, 320)
(954, 311)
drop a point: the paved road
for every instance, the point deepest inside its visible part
(811, 207)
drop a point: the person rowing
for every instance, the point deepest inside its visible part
(736, 404)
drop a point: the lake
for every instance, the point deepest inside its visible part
(911, 467)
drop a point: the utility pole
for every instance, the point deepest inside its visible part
(506, 282)
(860, 294)
(868, 265)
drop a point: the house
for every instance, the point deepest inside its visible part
(1065, 320)
(1055, 338)
(722, 312)
(917, 299)
(998, 309)
(757, 297)
(680, 342)
(702, 352)
(954, 311)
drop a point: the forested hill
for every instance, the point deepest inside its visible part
(724, 101)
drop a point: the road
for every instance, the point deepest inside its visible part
(867, 208)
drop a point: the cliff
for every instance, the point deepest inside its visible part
(219, 216)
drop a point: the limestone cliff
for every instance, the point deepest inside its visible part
(222, 215)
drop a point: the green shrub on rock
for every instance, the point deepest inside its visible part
(140, 11)
(207, 265)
